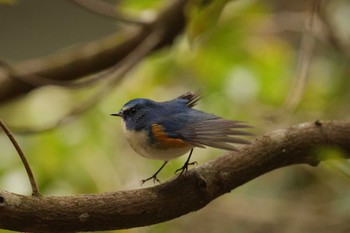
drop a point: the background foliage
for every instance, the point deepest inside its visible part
(245, 60)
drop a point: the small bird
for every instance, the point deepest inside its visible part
(169, 129)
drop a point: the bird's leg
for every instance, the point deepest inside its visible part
(154, 176)
(184, 168)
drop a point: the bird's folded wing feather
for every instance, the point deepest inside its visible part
(202, 129)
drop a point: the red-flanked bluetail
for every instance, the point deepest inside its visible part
(169, 129)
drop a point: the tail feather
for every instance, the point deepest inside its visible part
(216, 132)
(191, 97)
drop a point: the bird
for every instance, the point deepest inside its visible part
(169, 129)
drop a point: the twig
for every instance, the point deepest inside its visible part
(35, 189)
(109, 10)
(306, 49)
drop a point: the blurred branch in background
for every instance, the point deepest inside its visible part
(109, 10)
(331, 33)
(88, 59)
(305, 54)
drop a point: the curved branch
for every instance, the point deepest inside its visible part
(93, 57)
(35, 189)
(179, 196)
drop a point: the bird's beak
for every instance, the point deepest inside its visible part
(119, 114)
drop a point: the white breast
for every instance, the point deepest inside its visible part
(138, 141)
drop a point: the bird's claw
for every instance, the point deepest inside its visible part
(154, 178)
(184, 168)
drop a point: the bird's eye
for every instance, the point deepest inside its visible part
(131, 111)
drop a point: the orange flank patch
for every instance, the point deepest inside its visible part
(165, 140)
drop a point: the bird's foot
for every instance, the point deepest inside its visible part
(154, 178)
(184, 168)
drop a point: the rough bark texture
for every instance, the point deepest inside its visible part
(190, 192)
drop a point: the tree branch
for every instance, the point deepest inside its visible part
(133, 208)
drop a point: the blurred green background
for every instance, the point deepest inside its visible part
(245, 64)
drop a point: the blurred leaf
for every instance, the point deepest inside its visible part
(8, 2)
(203, 16)
(136, 5)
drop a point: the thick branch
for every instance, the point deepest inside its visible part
(93, 57)
(190, 192)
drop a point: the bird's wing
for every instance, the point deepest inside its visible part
(163, 138)
(200, 130)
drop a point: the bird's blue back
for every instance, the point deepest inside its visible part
(151, 112)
